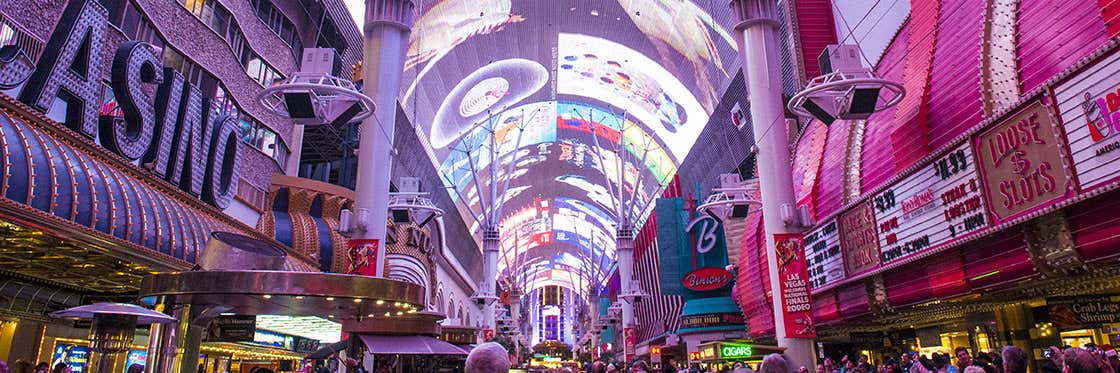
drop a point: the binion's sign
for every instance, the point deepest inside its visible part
(706, 279)
(174, 132)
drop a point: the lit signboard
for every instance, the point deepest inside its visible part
(858, 239)
(735, 351)
(167, 125)
(1023, 163)
(1089, 103)
(939, 203)
(822, 252)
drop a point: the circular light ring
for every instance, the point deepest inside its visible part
(795, 103)
(272, 97)
(490, 89)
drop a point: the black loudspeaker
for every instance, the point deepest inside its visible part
(301, 104)
(740, 211)
(400, 216)
(863, 101)
(818, 112)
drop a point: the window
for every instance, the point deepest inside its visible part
(280, 24)
(262, 138)
(190, 70)
(210, 12)
(260, 71)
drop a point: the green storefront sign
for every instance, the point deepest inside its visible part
(735, 351)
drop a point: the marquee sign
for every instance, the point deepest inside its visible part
(859, 239)
(939, 203)
(176, 133)
(1023, 163)
(712, 320)
(1089, 104)
(823, 256)
(706, 279)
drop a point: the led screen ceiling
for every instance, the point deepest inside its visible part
(555, 85)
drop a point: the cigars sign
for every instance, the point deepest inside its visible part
(168, 127)
(1023, 163)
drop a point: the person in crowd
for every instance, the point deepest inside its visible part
(136, 368)
(922, 364)
(773, 363)
(639, 367)
(488, 357)
(1014, 360)
(905, 360)
(974, 369)
(802, 369)
(611, 368)
(940, 362)
(42, 367)
(3, 366)
(22, 366)
(671, 367)
(61, 368)
(1113, 359)
(963, 358)
(1076, 360)
(598, 367)
(983, 361)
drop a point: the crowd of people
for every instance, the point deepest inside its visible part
(1009, 359)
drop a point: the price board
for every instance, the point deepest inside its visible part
(937, 204)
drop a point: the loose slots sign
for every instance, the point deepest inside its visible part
(937, 204)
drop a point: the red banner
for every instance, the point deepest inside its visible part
(361, 257)
(487, 335)
(794, 275)
(631, 343)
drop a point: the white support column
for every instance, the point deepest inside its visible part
(491, 243)
(295, 152)
(762, 68)
(387, 27)
(625, 250)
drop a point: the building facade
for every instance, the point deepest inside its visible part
(89, 207)
(975, 213)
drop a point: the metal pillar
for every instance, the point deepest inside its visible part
(387, 26)
(491, 243)
(625, 249)
(758, 45)
(165, 343)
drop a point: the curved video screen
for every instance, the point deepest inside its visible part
(584, 108)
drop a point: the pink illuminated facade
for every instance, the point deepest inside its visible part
(960, 210)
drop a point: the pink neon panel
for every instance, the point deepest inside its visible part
(878, 156)
(830, 184)
(807, 163)
(955, 104)
(910, 136)
(1053, 35)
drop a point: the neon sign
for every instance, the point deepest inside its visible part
(174, 132)
(735, 351)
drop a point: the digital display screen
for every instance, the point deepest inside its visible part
(74, 356)
(574, 104)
